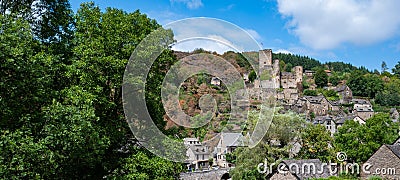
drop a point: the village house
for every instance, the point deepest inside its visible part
(318, 105)
(227, 144)
(385, 162)
(328, 122)
(301, 169)
(335, 106)
(339, 121)
(309, 74)
(364, 113)
(345, 93)
(197, 154)
(361, 103)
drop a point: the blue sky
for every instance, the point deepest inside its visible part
(363, 33)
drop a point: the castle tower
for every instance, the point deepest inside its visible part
(265, 59)
(298, 70)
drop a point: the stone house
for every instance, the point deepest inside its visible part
(385, 162)
(301, 169)
(198, 155)
(290, 81)
(309, 74)
(227, 144)
(361, 103)
(319, 105)
(335, 106)
(339, 121)
(345, 93)
(300, 105)
(328, 122)
(364, 113)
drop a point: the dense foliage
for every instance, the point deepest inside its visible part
(60, 93)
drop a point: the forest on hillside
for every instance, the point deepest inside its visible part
(61, 102)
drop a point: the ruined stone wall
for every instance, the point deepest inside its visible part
(265, 58)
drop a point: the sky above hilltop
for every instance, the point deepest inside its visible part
(363, 33)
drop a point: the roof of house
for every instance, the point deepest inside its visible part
(319, 173)
(395, 149)
(314, 99)
(342, 120)
(360, 101)
(199, 149)
(341, 88)
(321, 119)
(397, 142)
(335, 103)
(232, 139)
(361, 109)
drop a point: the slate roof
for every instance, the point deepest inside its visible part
(314, 99)
(360, 101)
(321, 119)
(335, 103)
(395, 149)
(341, 88)
(232, 139)
(362, 109)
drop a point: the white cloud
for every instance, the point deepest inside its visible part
(330, 23)
(283, 51)
(212, 44)
(207, 31)
(191, 4)
(254, 34)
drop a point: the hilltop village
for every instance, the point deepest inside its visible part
(287, 88)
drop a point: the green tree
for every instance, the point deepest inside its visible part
(390, 96)
(252, 76)
(396, 69)
(284, 131)
(321, 78)
(384, 66)
(359, 142)
(357, 83)
(310, 93)
(334, 79)
(316, 142)
(288, 67)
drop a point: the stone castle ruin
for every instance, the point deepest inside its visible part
(274, 83)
